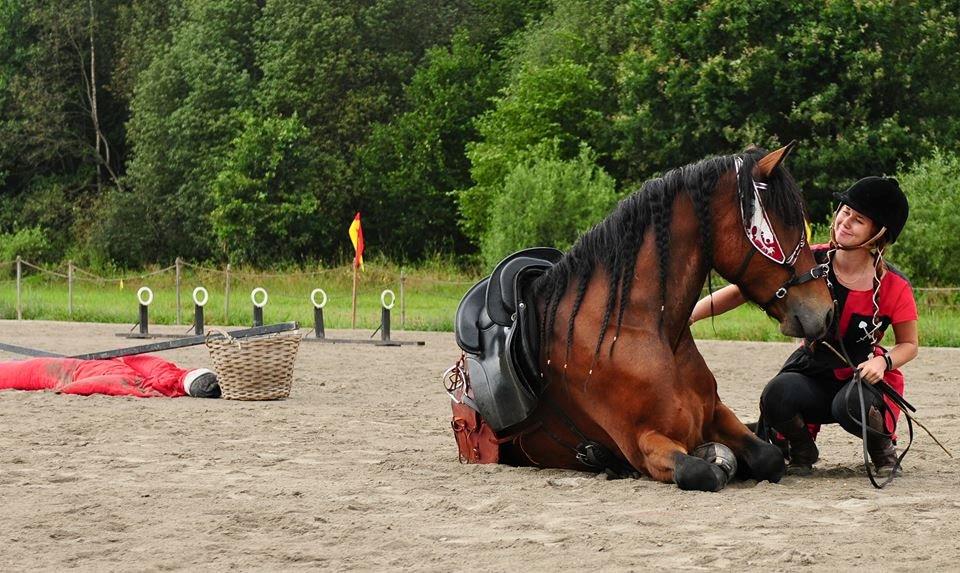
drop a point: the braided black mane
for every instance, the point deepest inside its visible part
(613, 244)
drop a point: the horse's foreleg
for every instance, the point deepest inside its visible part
(755, 458)
(666, 460)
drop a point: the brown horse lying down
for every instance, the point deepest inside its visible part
(622, 386)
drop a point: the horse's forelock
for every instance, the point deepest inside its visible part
(781, 198)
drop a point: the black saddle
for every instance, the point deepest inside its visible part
(497, 327)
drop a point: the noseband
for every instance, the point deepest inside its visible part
(764, 240)
(815, 273)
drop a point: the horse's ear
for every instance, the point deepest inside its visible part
(769, 162)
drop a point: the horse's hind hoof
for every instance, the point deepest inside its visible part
(695, 474)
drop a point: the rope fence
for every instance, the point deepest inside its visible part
(226, 282)
(229, 282)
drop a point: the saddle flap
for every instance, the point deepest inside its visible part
(502, 400)
(470, 313)
(523, 342)
(501, 297)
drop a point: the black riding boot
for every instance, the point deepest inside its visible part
(803, 450)
(882, 452)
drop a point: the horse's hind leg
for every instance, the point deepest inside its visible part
(755, 458)
(666, 460)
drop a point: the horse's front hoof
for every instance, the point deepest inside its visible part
(695, 474)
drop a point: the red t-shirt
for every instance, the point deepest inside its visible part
(894, 298)
(896, 305)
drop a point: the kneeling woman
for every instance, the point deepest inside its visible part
(814, 386)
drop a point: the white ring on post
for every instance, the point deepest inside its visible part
(253, 297)
(313, 298)
(383, 299)
(149, 296)
(206, 296)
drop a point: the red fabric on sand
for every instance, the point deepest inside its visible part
(143, 376)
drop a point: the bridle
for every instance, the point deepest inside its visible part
(763, 238)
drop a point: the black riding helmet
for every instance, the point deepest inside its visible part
(881, 199)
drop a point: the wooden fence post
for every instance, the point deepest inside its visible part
(177, 264)
(70, 289)
(226, 299)
(19, 274)
(403, 303)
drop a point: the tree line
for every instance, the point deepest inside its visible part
(252, 130)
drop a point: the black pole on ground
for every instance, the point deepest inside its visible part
(156, 346)
(188, 341)
(24, 351)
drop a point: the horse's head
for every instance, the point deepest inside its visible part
(767, 217)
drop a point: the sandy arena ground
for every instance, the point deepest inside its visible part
(358, 470)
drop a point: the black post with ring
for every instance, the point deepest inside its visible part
(258, 306)
(198, 304)
(145, 299)
(387, 301)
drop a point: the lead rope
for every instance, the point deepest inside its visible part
(907, 408)
(858, 380)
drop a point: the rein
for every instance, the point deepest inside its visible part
(887, 390)
(906, 407)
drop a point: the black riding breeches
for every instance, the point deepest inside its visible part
(817, 401)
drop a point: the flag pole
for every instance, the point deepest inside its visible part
(353, 322)
(356, 237)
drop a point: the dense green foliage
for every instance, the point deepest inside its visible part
(856, 83)
(927, 249)
(546, 200)
(252, 130)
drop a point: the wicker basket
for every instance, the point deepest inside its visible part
(257, 368)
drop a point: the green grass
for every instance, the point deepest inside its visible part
(431, 294)
(938, 327)
(430, 297)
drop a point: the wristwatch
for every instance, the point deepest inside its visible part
(888, 360)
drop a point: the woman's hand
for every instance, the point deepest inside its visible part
(872, 370)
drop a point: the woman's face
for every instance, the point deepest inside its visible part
(853, 228)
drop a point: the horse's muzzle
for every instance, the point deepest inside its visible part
(807, 323)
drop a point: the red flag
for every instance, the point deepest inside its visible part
(356, 237)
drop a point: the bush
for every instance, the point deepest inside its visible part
(126, 229)
(266, 208)
(31, 244)
(927, 248)
(547, 202)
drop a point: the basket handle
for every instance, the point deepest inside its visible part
(226, 336)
